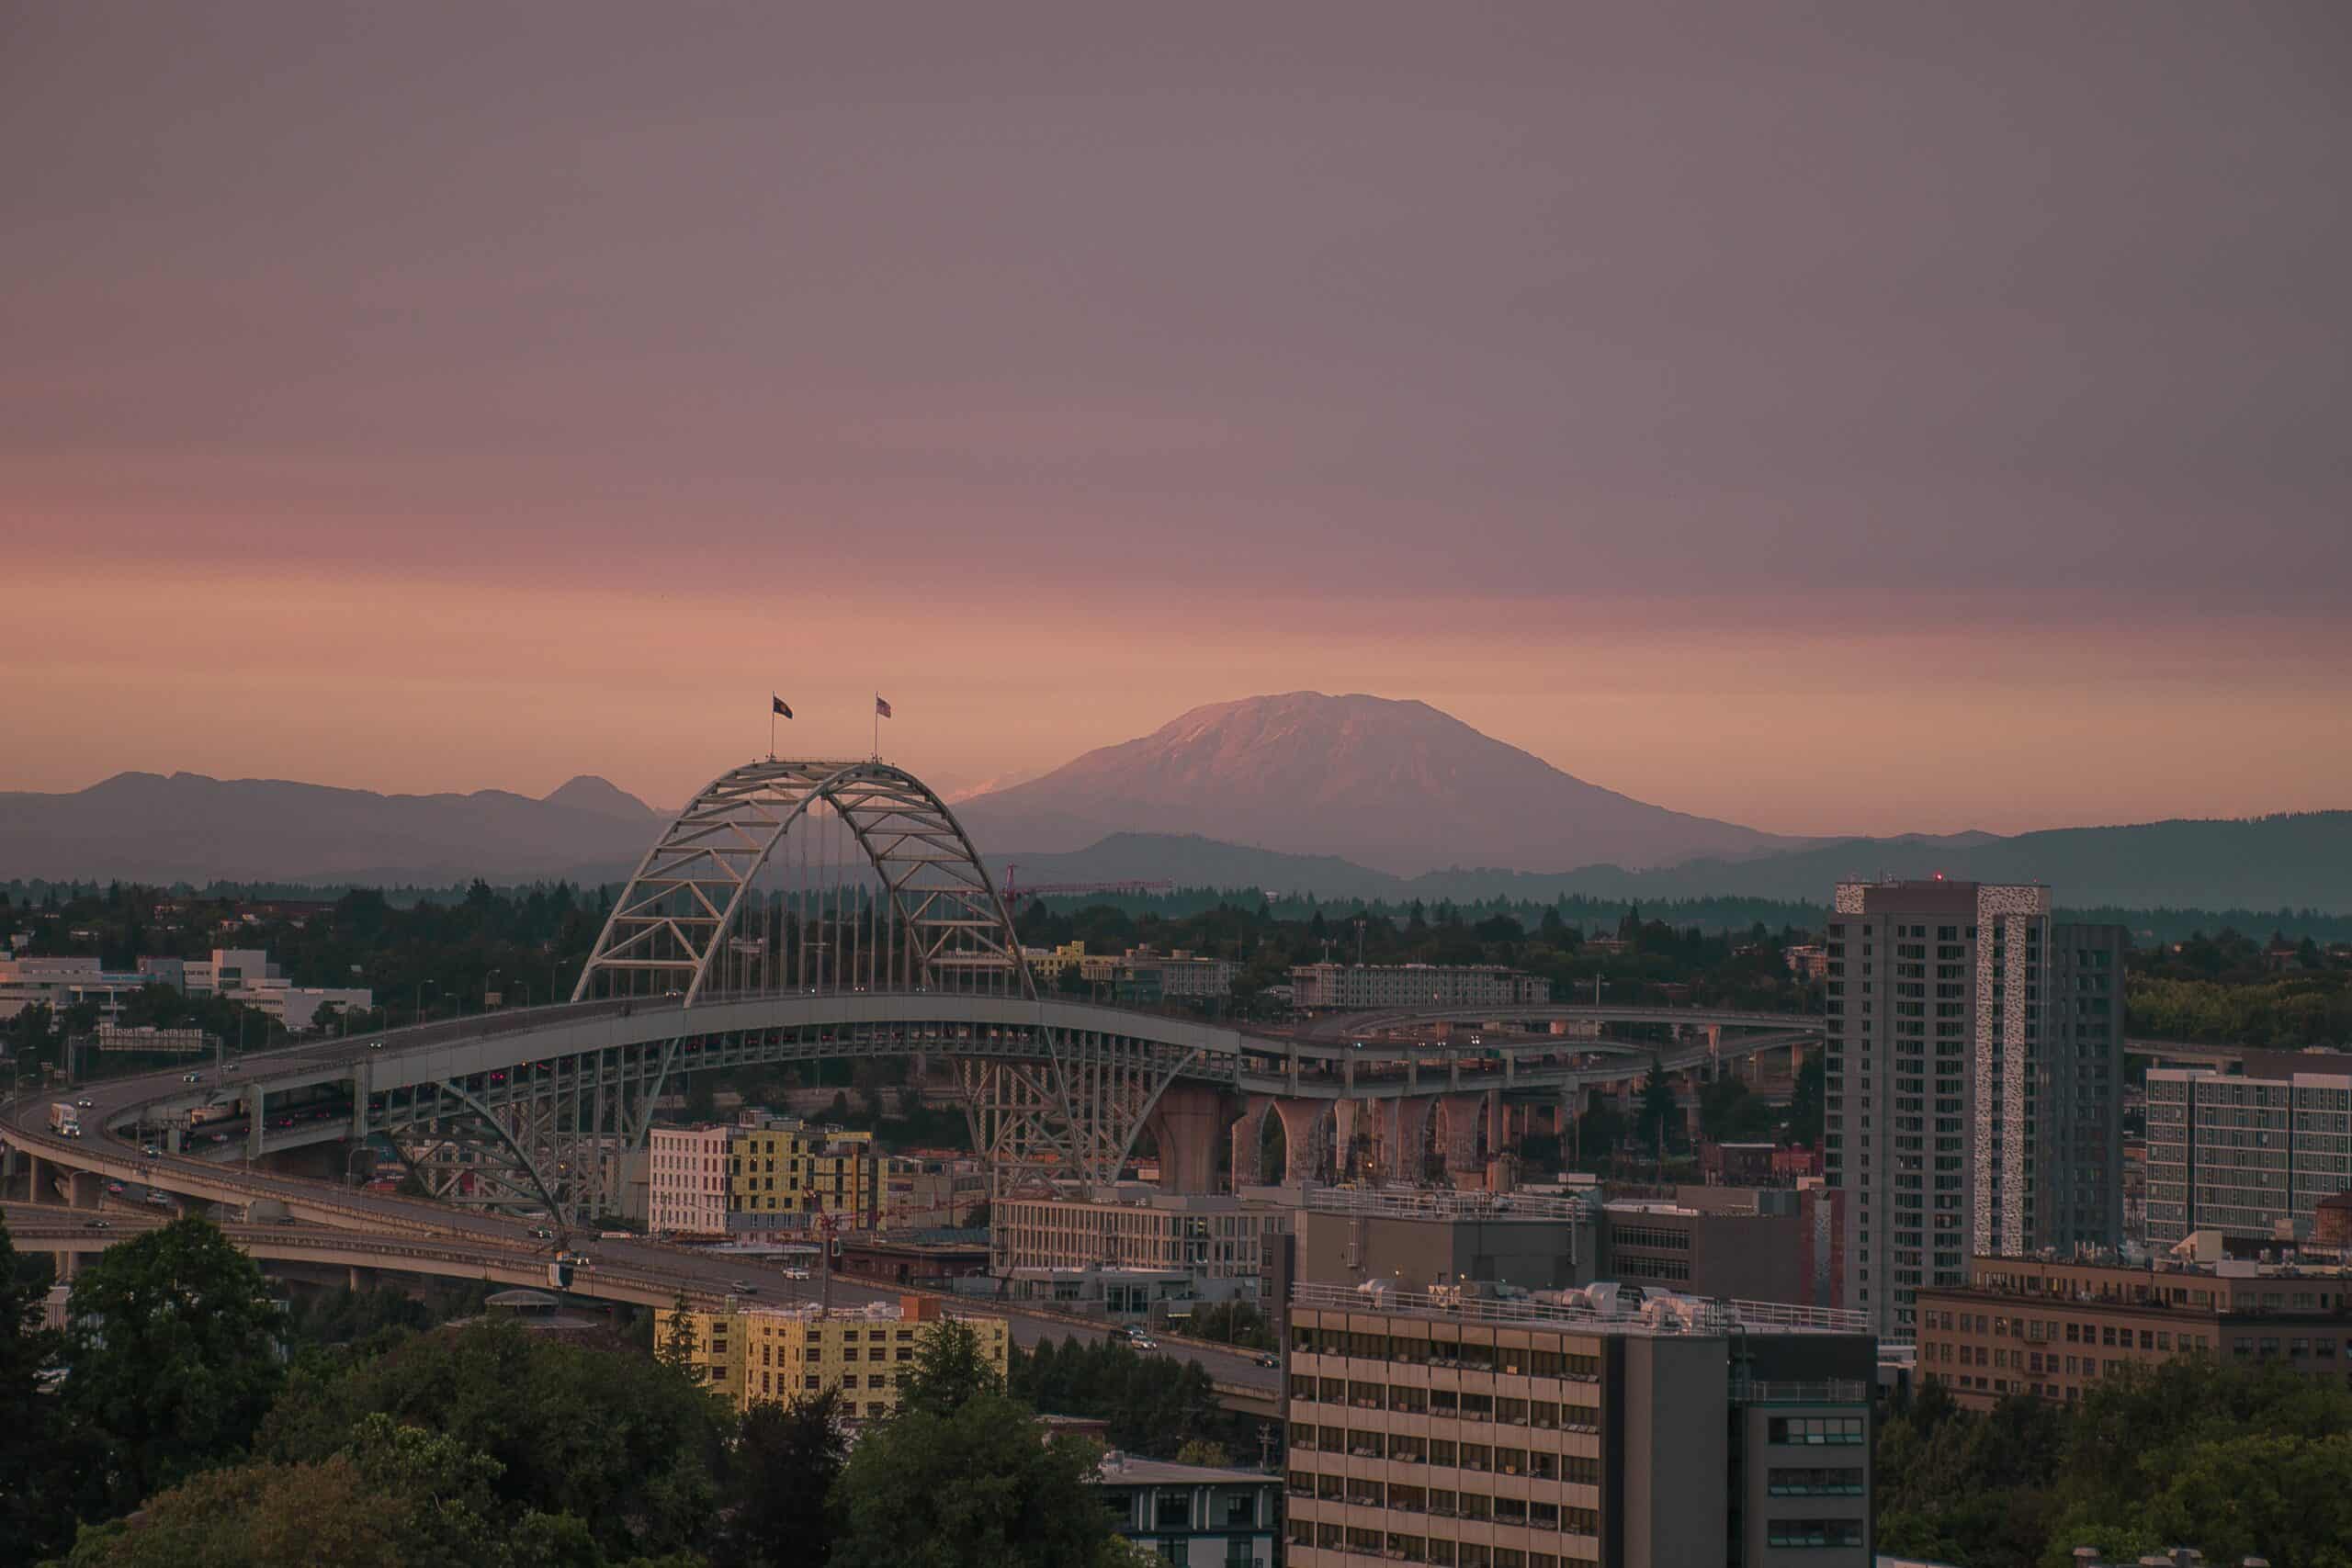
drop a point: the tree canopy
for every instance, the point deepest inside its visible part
(626, 1444)
(35, 1491)
(2235, 1460)
(972, 1487)
(175, 1357)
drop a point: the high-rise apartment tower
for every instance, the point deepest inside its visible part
(1974, 1069)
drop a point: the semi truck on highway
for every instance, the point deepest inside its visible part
(197, 1116)
(65, 1119)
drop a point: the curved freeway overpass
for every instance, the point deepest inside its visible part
(514, 1105)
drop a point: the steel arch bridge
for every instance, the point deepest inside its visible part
(872, 891)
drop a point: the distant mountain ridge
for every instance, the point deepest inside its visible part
(192, 828)
(2289, 861)
(1398, 786)
(1346, 797)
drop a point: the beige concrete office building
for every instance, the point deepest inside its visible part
(1425, 1427)
(1215, 1239)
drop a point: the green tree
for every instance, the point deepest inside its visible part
(623, 1444)
(1200, 1450)
(1729, 1114)
(949, 1372)
(679, 1342)
(36, 1515)
(1658, 1112)
(175, 1357)
(1807, 1104)
(1153, 1406)
(971, 1487)
(787, 1458)
(1600, 1133)
(394, 1496)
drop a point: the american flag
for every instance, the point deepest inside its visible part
(881, 707)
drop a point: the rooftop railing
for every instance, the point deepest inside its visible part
(1413, 1204)
(1659, 1315)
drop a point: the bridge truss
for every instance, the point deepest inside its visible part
(792, 878)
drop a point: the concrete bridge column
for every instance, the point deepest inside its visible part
(1465, 1115)
(1348, 1117)
(66, 1266)
(1184, 1125)
(1307, 1138)
(1250, 1140)
(89, 1189)
(361, 1278)
(36, 1178)
(1405, 1130)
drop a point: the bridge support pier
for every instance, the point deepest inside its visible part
(89, 1189)
(1347, 1116)
(1470, 1121)
(37, 1179)
(1250, 1141)
(1404, 1137)
(1306, 1139)
(1184, 1125)
(361, 1278)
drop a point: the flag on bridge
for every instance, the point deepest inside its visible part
(881, 708)
(778, 707)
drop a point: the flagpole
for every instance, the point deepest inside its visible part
(877, 727)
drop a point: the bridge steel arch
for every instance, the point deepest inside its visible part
(672, 919)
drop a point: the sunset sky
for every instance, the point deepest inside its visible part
(1818, 417)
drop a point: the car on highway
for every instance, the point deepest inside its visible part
(97, 1225)
(1141, 1341)
(1268, 1360)
(742, 1287)
(541, 1233)
(115, 1187)
(234, 1068)
(191, 1078)
(150, 1151)
(84, 1103)
(158, 1198)
(375, 1044)
(218, 1137)
(796, 1273)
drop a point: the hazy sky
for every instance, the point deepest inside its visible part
(1845, 417)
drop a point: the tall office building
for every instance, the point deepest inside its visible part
(2248, 1156)
(1974, 1069)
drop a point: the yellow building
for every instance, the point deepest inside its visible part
(1048, 963)
(762, 1353)
(787, 1167)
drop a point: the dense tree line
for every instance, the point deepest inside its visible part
(2230, 989)
(487, 1446)
(1741, 968)
(1154, 1406)
(2235, 1460)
